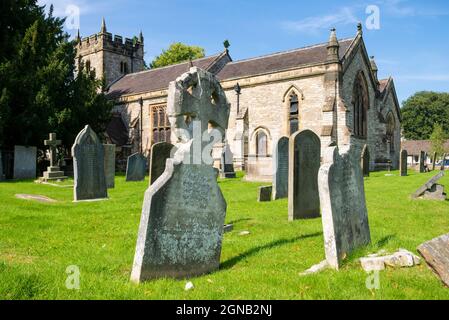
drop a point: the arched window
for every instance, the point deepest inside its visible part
(390, 130)
(360, 100)
(88, 65)
(160, 124)
(261, 144)
(293, 117)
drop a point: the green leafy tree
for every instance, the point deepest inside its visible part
(438, 139)
(177, 52)
(39, 91)
(422, 111)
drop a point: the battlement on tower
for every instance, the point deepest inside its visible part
(113, 43)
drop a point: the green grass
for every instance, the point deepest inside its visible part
(38, 241)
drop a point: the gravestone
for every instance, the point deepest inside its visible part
(403, 163)
(183, 214)
(343, 205)
(442, 162)
(53, 171)
(436, 254)
(159, 154)
(25, 162)
(227, 163)
(365, 161)
(422, 157)
(280, 166)
(136, 167)
(434, 160)
(265, 193)
(109, 165)
(304, 163)
(88, 166)
(431, 190)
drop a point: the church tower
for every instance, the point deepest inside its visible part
(109, 57)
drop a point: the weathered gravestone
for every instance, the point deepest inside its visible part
(136, 167)
(280, 166)
(364, 161)
(88, 166)
(265, 193)
(53, 171)
(227, 163)
(403, 163)
(422, 159)
(183, 214)
(109, 165)
(304, 163)
(343, 206)
(24, 162)
(159, 154)
(431, 190)
(436, 254)
(434, 160)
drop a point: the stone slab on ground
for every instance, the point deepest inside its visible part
(34, 197)
(436, 253)
(401, 258)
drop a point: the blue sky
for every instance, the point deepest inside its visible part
(411, 42)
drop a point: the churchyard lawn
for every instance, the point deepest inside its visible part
(38, 241)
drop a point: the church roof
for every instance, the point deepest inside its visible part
(414, 147)
(156, 79)
(280, 61)
(383, 84)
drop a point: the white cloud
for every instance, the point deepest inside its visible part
(313, 24)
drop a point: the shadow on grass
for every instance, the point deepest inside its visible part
(382, 242)
(233, 261)
(239, 220)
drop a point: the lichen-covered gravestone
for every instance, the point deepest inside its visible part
(109, 165)
(136, 167)
(304, 163)
(88, 166)
(183, 214)
(365, 161)
(280, 167)
(159, 154)
(403, 163)
(25, 162)
(343, 206)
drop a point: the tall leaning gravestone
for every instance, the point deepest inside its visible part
(343, 206)
(136, 167)
(88, 166)
(181, 226)
(304, 163)
(280, 167)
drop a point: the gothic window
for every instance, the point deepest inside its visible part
(160, 125)
(261, 144)
(360, 102)
(293, 117)
(390, 131)
(88, 65)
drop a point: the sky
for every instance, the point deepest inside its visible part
(408, 38)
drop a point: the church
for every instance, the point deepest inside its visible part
(330, 88)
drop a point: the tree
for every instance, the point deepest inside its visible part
(177, 52)
(39, 91)
(438, 139)
(422, 111)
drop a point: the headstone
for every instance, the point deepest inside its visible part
(280, 166)
(436, 254)
(88, 166)
(183, 214)
(431, 190)
(304, 163)
(442, 161)
(343, 205)
(25, 162)
(265, 193)
(434, 160)
(365, 161)
(136, 167)
(159, 154)
(403, 163)
(109, 165)
(53, 171)
(422, 157)
(227, 163)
